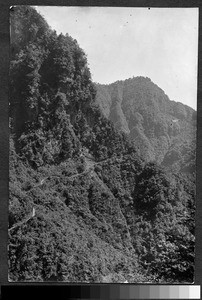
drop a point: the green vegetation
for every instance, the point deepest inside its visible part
(84, 206)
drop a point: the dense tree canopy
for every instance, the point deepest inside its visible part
(164, 130)
(84, 206)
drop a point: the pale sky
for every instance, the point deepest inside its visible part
(120, 42)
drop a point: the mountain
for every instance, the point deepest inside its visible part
(163, 130)
(83, 205)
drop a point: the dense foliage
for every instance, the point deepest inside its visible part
(84, 206)
(163, 130)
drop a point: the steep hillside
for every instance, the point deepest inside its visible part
(163, 130)
(84, 206)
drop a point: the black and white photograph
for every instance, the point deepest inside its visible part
(102, 144)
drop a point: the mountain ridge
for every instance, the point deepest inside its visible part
(84, 206)
(143, 111)
(140, 77)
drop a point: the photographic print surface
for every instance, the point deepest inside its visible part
(102, 144)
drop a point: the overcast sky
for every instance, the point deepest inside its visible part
(159, 43)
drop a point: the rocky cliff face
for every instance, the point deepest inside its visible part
(162, 130)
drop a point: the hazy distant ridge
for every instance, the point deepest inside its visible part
(142, 110)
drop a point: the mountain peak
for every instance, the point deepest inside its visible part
(141, 109)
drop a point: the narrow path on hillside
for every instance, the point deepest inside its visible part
(25, 220)
(89, 166)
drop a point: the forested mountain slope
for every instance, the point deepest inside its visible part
(163, 130)
(84, 206)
